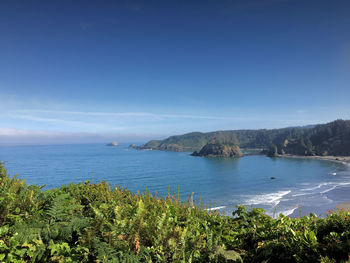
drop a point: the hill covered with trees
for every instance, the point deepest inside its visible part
(324, 139)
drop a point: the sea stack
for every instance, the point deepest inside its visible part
(112, 144)
(219, 150)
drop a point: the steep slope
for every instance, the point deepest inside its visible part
(325, 139)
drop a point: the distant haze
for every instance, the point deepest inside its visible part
(15, 137)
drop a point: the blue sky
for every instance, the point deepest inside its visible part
(91, 71)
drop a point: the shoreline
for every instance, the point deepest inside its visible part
(337, 159)
(344, 205)
(345, 160)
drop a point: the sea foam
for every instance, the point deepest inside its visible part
(267, 199)
(289, 211)
(216, 208)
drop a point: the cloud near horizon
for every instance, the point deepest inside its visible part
(11, 136)
(46, 126)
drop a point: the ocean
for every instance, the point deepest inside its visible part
(300, 185)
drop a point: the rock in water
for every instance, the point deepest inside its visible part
(112, 144)
(219, 150)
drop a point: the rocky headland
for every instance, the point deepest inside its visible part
(112, 144)
(219, 150)
(330, 139)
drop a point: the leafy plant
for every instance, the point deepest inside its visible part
(93, 223)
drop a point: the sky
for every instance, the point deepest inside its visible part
(94, 71)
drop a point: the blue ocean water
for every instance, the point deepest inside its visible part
(313, 185)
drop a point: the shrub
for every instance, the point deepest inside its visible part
(93, 223)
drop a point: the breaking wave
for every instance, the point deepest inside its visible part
(267, 199)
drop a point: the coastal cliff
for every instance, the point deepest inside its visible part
(112, 144)
(313, 140)
(219, 150)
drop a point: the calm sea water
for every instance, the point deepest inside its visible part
(313, 185)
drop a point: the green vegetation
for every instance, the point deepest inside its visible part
(188, 142)
(219, 150)
(93, 223)
(326, 139)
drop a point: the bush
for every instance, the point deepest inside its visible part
(93, 223)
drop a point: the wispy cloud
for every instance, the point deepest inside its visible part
(50, 120)
(9, 136)
(68, 126)
(129, 121)
(161, 116)
(10, 132)
(65, 121)
(137, 114)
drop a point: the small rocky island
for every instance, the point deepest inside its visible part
(219, 150)
(112, 144)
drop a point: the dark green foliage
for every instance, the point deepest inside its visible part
(273, 151)
(93, 223)
(215, 149)
(188, 142)
(327, 139)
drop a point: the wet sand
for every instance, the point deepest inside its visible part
(338, 159)
(345, 205)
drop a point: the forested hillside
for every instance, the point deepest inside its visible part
(325, 139)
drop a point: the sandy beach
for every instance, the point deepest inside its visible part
(338, 159)
(345, 205)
